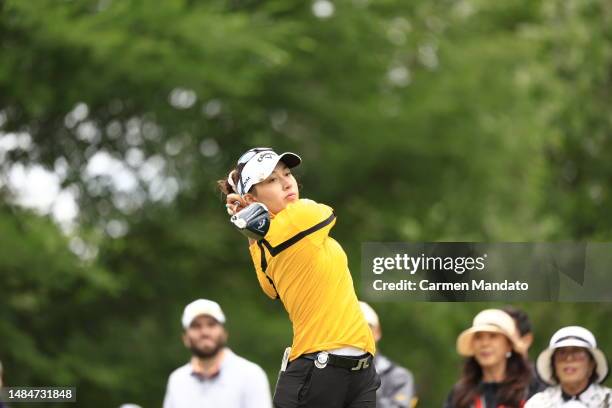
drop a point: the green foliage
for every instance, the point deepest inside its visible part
(417, 121)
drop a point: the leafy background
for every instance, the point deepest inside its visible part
(417, 121)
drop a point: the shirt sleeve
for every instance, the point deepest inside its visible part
(448, 403)
(402, 389)
(168, 397)
(308, 215)
(264, 281)
(304, 219)
(538, 400)
(257, 390)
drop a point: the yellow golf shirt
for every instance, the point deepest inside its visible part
(298, 262)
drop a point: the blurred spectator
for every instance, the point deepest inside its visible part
(215, 376)
(523, 324)
(1, 403)
(495, 372)
(397, 388)
(574, 367)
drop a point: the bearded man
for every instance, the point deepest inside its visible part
(215, 376)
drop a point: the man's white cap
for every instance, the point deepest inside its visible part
(369, 314)
(260, 166)
(571, 336)
(202, 307)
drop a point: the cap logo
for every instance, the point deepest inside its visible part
(265, 156)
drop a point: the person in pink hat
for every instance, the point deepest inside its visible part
(495, 372)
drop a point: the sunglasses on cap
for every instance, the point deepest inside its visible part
(251, 153)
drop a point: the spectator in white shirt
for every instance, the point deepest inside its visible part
(215, 376)
(574, 367)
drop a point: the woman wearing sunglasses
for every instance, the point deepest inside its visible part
(330, 361)
(574, 367)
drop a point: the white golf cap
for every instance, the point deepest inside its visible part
(202, 307)
(369, 314)
(571, 336)
(260, 165)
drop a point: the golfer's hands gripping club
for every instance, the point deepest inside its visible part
(234, 203)
(252, 221)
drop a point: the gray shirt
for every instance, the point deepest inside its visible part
(397, 384)
(239, 384)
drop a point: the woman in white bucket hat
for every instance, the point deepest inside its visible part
(495, 373)
(574, 367)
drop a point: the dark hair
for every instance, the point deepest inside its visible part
(224, 186)
(511, 392)
(521, 319)
(592, 378)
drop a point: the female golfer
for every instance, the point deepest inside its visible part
(574, 367)
(495, 373)
(330, 361)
